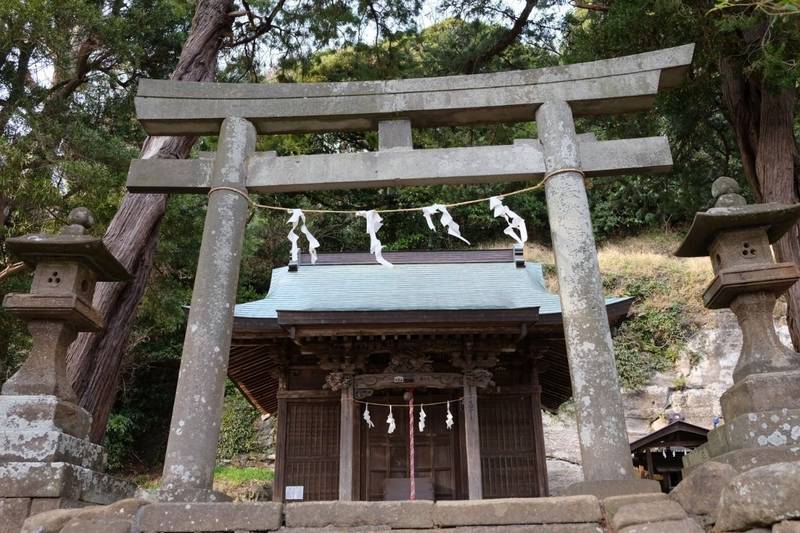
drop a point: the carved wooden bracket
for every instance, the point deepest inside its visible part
(479, 377)
(336, 381)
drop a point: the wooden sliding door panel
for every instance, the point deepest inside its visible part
(508, 448)
(312, 448)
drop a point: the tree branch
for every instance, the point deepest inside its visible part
(12, 269)
(506, 40)
(262, 28)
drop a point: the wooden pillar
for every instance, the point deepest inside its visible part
(542, 488)
(346, 444)
(650, 468)
(472, 440)
(279, 483)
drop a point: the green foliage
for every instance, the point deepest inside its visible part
(651, 339)
(237, 432)
(121, 436)
(243, 474)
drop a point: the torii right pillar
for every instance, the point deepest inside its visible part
(605, 451)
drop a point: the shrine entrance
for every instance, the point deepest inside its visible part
(438, 452)
(560, 161)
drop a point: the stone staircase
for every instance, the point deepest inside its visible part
(643, 513)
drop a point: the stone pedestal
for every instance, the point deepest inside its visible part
(761, 411)
(46, 459)
(762, 423)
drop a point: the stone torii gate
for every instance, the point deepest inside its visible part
(551, 96)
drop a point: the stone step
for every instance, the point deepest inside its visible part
(225, 516)
(50, 447)
(569, 514)
(532, 528)
(634, 514)
(61, 480)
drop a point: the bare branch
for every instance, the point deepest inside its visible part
(508, 38)
(12, 269)
(262, 28)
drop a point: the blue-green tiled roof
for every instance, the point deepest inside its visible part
(406, 287)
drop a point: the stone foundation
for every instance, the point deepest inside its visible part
(762, 413)
(47, 461)
(573, 514)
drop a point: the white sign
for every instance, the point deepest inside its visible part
(294, 492)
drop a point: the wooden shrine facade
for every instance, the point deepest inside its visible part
(319, 369)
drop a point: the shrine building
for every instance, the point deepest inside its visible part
(477, 329)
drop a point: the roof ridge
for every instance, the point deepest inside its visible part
(503, 255)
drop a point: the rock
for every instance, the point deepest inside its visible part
(398, 514)
(97, 526)
(761, 497)
(612, 504)
(687, 525)
(218, 516)
(50, 521)
(699, 492)
(724, 185)
(563, 509)
(787, 527)
(13, 512)
(647, 512)
(562, 474)
(730, 200)
(563, 451)
(120, 510)
(561, 438)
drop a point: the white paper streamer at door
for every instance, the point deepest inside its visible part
(422, 417)
(374, 223)
(367, 418)
(299, 218)
(449, 420)
(390, 421)
(446, 220)
(516, 224)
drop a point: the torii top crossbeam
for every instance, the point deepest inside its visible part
(600, 87)
(597, 88)
(550, 96)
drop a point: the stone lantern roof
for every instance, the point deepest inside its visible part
(70, 245)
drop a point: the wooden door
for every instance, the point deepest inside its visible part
(508, 448)
(386, 456)
(312, 448)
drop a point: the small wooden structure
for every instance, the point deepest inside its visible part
(661, 452)
(477, 326)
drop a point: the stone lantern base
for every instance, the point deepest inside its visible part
(47, 461)
(762, 423)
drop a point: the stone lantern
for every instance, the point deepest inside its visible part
(762, 408)
(46, 459)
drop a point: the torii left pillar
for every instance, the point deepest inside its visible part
(194, 431)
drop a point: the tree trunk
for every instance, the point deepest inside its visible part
(763, 121)
(94, 360)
